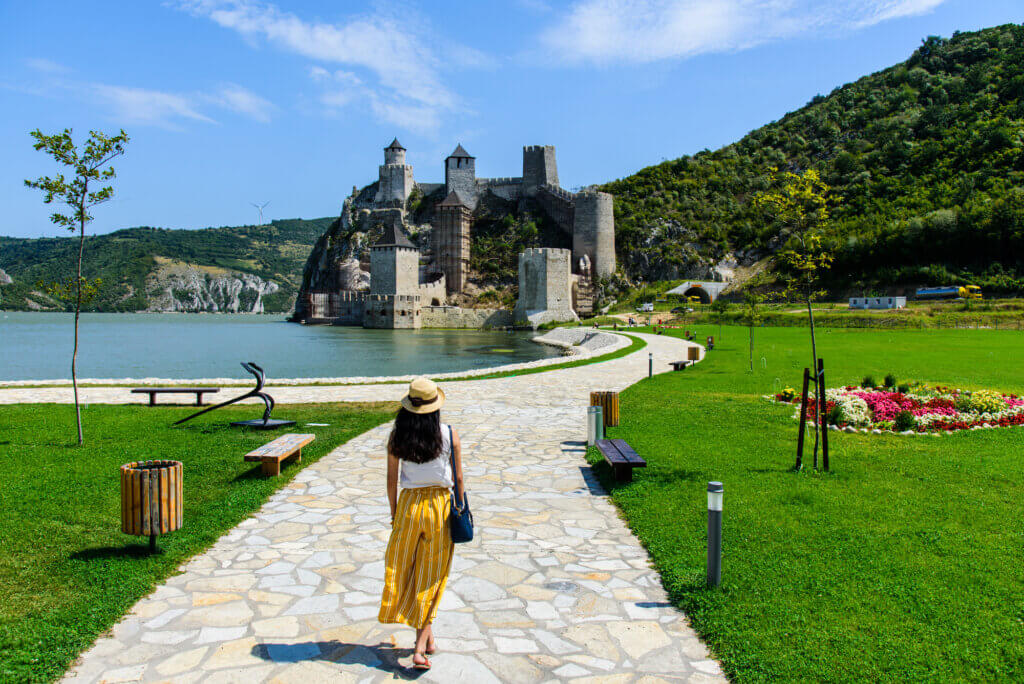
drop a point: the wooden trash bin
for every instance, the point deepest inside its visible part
(609, 403)
(151, 498)
(693, 354)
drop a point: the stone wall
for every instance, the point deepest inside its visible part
(456, 317)
(435, 291)
(593, 233)
(558, 204)
(392, 311)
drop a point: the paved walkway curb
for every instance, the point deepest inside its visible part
(555, 588)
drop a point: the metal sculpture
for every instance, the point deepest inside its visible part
(266, 423)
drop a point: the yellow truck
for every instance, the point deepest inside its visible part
(951, 292)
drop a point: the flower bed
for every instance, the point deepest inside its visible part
(919, 409)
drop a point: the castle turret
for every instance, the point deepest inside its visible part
(394, 153)
(539, 168)
(394, 181)
(460, 175)
(593, 231)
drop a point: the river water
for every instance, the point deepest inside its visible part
(37, 346)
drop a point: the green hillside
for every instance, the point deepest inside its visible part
(126, 260)
(926, 157)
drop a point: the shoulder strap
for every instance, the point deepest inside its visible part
(451, 459)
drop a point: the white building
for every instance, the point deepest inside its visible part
(878, 302)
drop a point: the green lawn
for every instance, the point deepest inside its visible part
(67, 573)
(905, 563)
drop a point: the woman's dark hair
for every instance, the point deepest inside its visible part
(416, 437)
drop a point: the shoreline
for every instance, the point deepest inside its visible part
(575, 353)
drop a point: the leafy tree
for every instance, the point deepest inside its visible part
(801, 207)
(89, 166)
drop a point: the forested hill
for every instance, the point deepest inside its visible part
(925, 157)
(243, 268)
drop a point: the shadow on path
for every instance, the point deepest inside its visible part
(383, 656)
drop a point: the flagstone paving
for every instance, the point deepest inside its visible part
(554, 588)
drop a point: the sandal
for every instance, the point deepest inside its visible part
(425, 665)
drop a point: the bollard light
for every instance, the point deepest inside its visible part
(599, 423)
(715, 495)
(650, 364)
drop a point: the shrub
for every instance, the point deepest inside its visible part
(868, 382)
(835, 416)
(904, 421)
(903, 388)
(890, 381)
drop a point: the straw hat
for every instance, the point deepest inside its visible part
(424, 396)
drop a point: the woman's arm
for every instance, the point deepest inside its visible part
(459, 486)
(392, 486)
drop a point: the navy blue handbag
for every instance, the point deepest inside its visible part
(461, 517)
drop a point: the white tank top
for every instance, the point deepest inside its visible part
(435, 473)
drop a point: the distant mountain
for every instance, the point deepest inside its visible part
(229, 269)
(926, 158)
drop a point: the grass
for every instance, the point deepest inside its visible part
(902, 564)
(67, 573)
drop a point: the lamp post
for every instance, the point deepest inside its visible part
(715, 493)
(650, 364)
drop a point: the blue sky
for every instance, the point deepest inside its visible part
(238, 101)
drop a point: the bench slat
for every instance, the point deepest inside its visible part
(174, 390)
(610, 451)
(281, 448)
(629, 454)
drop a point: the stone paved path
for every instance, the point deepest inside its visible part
(555, 588)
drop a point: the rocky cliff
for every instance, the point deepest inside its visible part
(188, 288)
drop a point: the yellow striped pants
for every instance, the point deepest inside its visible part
(418, 557)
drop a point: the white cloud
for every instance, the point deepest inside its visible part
(398, 70)
(144, 106)
(236, 98)
(46, 66)
(649, 30)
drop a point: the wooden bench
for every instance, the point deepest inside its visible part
(281, 449)
(680, 365)
(153, 391)
(620, 457)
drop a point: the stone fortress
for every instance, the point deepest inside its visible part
(402, 285)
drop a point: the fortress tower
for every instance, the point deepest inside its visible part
(539, 168)
(394, 181)
(451, 241)
(394, 264)
(593, 231)
(460, 175)
(545, 286)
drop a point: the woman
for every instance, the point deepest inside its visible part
(421, 452)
